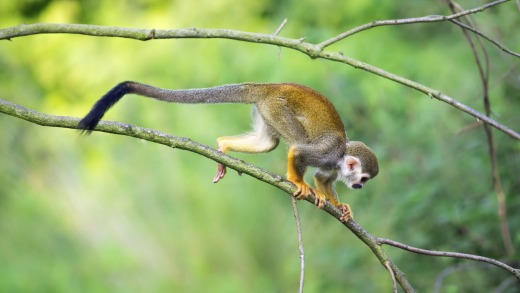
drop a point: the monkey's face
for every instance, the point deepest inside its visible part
(351, 173)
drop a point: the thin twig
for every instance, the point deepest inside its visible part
(494, 42)
(309, 49)
(504, 285)
(515, 272)
(282, 25)
(469, 127)
(392, 275)
(300, 243)
(451, 270)
(429, 18)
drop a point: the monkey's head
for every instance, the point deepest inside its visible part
(359, 165)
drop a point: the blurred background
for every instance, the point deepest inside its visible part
(106, 213)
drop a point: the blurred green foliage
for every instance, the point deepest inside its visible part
(105, 213)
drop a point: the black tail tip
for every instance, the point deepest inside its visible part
(87, 125)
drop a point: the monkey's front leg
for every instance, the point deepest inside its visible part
(325, 182)
(296, 177)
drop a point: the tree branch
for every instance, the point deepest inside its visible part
(119, 128)
(312, 50)
(423, 19)
(515, 272)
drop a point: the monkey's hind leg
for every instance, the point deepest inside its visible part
(261, 140)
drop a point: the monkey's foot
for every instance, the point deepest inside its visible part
(220, 173)
(346, 212)
(304, 190)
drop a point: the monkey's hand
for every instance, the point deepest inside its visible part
(304, 190)
(220, 174)
(346, 212)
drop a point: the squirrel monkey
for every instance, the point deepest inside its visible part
(301, 116)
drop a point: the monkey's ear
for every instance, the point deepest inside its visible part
(352, 163)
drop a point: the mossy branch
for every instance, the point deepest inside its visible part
(312, 50)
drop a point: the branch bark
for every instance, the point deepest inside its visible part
(312, 50)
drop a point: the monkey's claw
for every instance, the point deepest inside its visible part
(220, 173)
(346, 212)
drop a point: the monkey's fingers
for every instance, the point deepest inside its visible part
(220, 173)
(346, 212)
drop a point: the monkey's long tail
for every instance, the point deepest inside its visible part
(232, 93)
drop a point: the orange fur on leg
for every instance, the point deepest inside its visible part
(304, 189)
